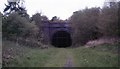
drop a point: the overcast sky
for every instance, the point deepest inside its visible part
(60, 8)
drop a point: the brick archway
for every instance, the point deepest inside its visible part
(53, 29)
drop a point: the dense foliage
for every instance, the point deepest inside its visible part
(108, 21)
(15, 25)
(95, 22)
(21, 29)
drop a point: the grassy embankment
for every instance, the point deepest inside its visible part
(101, 56)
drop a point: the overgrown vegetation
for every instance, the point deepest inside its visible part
(21, 29)
(93, 23)
(57, 57)
(94, 58)
(16, 55)
(15, 25)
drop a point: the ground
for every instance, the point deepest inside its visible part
(15, 55)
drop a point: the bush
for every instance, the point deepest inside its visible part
(16, 26)
(108, 21)
(92, 23)
(84, 25)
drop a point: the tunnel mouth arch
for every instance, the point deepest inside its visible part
(61, 39)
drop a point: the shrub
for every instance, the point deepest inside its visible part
(84, 25)
(16, 26)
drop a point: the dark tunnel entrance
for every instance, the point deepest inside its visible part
(61, 39)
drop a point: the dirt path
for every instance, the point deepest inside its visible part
(63, 58)
(69, 59)
(69, 62)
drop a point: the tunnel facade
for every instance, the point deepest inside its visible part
(57, 34)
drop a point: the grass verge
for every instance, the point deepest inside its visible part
(89, 57)
(100, 56)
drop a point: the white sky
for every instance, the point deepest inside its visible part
(61, 8)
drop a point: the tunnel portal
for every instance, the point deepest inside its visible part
(58, 34)
(61, 39)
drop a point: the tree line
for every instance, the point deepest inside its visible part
(96, 22)
(88, 24)
(23, 28)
